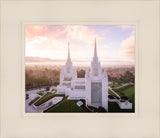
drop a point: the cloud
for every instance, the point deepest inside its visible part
(50, 41)
(50, 31)
(40, 60)
(127, 48)
(125, 27)
(81, 33)
(76, 33)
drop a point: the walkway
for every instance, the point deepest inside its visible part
(114, 92)
(32, 95)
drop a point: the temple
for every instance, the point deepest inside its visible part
(93, 88)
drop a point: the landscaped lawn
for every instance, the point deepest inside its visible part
(41, 93)
(66, 106)
(114, 107)
(114, 85)
(70, 105)
(110, 92)
(130, 93)
(31, 102)
(45, 98)
(54, 90)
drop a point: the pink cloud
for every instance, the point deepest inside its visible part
(42, 39)
(50, 31)
(125, 27)
(127, 48)
(79, 32)
(50, 41)
(67, 32)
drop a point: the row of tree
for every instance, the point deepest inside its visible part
(40, 77)
(127, 77)
(36, 78)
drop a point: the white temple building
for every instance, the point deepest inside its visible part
(93, 88)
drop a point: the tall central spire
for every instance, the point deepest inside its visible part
(68, 51)
(95, 49)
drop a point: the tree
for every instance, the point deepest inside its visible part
(81, 73)
(47, 88)
(101, 109)
(27, 96)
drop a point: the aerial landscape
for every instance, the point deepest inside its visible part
(79, 69)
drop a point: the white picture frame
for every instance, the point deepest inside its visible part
(16, 14)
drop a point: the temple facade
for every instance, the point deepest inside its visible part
(93, 88)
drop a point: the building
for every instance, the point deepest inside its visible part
(93, 88)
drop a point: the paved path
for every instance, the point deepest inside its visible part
(111, 89)
(29, 109)
(47, 104)
(126, 84)
(32, 95)
(40, 89)
(114, 92)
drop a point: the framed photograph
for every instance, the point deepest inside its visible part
(93, 72)
(80, 68)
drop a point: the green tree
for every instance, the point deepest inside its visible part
(81, 73)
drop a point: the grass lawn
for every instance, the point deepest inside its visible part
(31, 102)
(114, 107)
(54, 90)
(45, 98)
(66, 106)
(110, 92)
(130, 93)
(114, 85)
(41, 93)
(71, 106)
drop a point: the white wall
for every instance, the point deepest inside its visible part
(125, 105)
(75, 94)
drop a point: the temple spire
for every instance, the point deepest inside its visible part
(68, 51)
(95, 49)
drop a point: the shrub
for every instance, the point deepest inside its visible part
(93, 108)
(31, 102)
(101, 109)
(111, 97)
(85, 108)
(40, 93)
(47, 97)
(47, 88)
(124, 97)
(27, 96)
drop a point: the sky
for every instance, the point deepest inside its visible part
(48, 44)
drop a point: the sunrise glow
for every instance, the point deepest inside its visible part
(47, 44)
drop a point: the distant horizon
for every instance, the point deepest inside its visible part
(76, 62)
(48, 44)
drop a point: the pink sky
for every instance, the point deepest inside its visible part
(48, 44)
